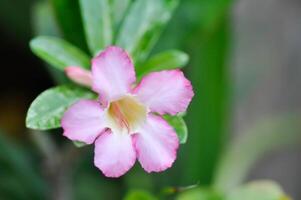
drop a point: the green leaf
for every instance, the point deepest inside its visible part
(47, 109)
(143, 25)
(97, 23)
(199, 194)
(119, 9)
(263, 137)
(139, 195)
(43, 23)
(258, 190)
(179, 125)
(208, 113)
(59, 52)
(68, 17)
(79, 144)
(166, 60)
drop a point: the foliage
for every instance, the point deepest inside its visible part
(48, 108)
(179, 125)
(59, 53)
(46, 111)
(203, 29)
(259, 190)
(139, 194)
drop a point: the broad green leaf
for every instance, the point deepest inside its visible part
(59, 52)
(139, 195)
(263, 137)
(143, 25)
(166, 60)
(119, 9)
(199, 194)
(97, 24)
(179, 125)
(68, 17)
(47, 109)
(258, 190)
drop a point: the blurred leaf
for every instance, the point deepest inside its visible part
(43, 20)
(119, 9)
(97, 24)
(43, 23)
(208, 113)
(59, 52)
(179, 125)
(258, 190)
(46, 110)
(137, 179)
(69, 19)
(91, 186)
(166, 60)
(143, 25)
(264, 136)
(203, 15)
(139, 195)
(199, 194)
(19, 179)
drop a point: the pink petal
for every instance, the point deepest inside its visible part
(165, 92)
(83, 121)
(156, 145)
(113, 73)
(79, 75)
(114, 153)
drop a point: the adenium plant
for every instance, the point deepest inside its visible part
(129, 112)
(125, 122)
(125, 119)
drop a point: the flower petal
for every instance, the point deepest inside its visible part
(79, 75)
(83, 121)
(113, 73)
(114, 153)
(165, 92)
(156, 144)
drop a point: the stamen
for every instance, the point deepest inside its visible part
(127, 113)
(119, 116)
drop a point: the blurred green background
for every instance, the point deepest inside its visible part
(245, 66)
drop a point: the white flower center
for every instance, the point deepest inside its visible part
(126, 114)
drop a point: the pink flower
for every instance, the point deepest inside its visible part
(124, 124)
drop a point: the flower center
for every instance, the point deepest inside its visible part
(126, 114)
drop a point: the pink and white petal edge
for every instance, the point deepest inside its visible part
(114, 154)
(83, 121)
(156, 145)
(165, 92)
(113, 73)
